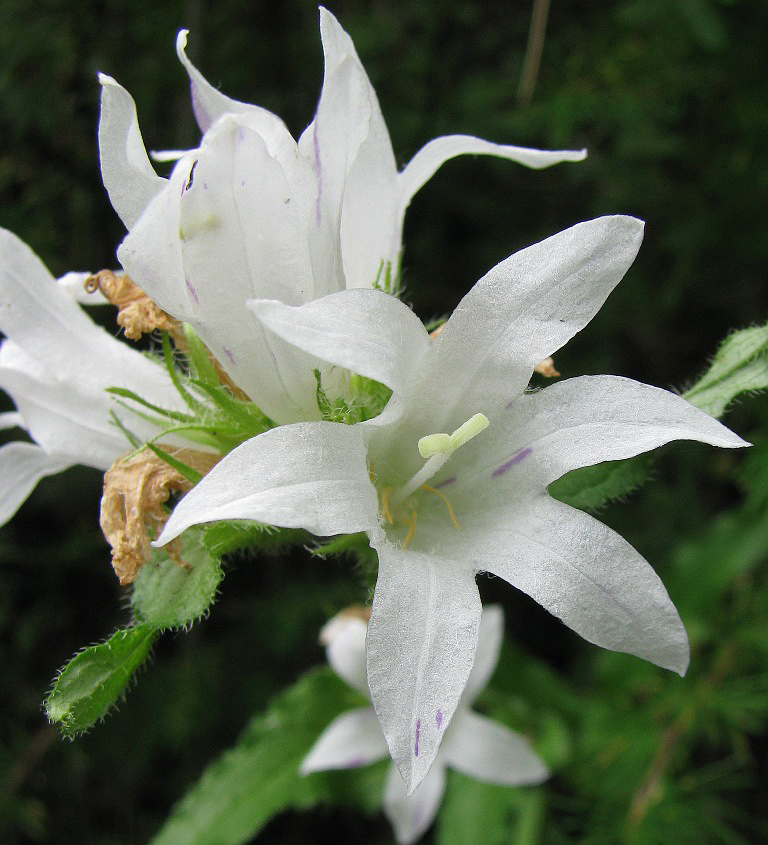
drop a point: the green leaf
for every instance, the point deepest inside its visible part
(93, 680)
(589, 488)
(741, 364)
(198, 357)
(475, 813)
(169, 595)
(259, 777)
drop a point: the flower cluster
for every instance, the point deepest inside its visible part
(296, 390)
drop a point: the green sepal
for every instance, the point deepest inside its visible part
(198, 357)
(589, 488)
(192, 475)
(230, 536)
(259, 777)
(95, 679)
(168, 594)
(740, 365)
(134, 397)
(173, 374)
(245, 414)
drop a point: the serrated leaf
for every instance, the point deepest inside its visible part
(741, 364)
(589, 488)
(167, 594)
(259, 777)
(93, 680)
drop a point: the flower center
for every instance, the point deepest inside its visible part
(436, 449)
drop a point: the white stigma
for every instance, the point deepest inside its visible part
(437, 448)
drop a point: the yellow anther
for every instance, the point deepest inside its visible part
(411, 523)
(448, 505)
(385, 505)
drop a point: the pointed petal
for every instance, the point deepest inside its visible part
(353, 739)
(60, 339)
(574, 566)
(434, 154)
(10, 419)
(308, 475)
(490, 752)
(410, 815)
(520, 312)
(585, 421)
(489, 641)
(22, 465)
(128, 175)
(209, 104)
(421, 644)
(345, 639)
(368, 332)
(355, 167)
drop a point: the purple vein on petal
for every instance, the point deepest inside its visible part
(418, 732)
(520, 455)
(229, 355)
(192, 291)
(439, 719)
(445, 483)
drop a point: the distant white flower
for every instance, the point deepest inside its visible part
(252, 213)
(56, 364)
(473, 745)
(452, 478)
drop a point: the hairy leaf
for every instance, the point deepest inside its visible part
(167, 594)
(96, 678)
(589, 488)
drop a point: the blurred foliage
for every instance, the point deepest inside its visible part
(669, 96)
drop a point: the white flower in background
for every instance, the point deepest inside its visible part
(451, 479)
(252, 213)
(473, 745)
(56, 364)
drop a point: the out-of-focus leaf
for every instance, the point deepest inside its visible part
(96, 678)
(589, 488)
(259, 777)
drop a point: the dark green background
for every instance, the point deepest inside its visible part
(669, 96)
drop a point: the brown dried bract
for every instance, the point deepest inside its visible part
(546, 368)
(137, 314)
(135, 489)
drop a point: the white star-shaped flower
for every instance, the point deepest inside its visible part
(56, 364)
(252, 213)
(473, 745)
(451, 479)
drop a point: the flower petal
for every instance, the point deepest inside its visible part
(520, 312)
(421, 644)
(345, 638)
(489, 641)
(368, 332)
(574, 566)
(351, 740)
(354, 164)
(584, 421)
(490, 752)
(308, 475)
(209, 104)
(434, 154)
(22, 465)
(128, 176)
(410, 815)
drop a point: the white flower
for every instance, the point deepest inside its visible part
(56, 364)
(491, 484)
(252, 213)
(473, 744)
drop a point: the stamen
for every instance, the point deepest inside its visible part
(411, 523)
(385, 505)
(448, 505)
